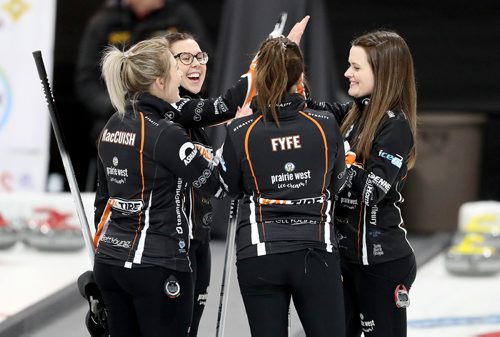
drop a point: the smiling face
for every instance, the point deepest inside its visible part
(169, 88)
(359, 73)
(193, 75)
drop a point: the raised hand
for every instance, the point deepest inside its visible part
(298, 30)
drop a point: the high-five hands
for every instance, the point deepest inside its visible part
(298, 30)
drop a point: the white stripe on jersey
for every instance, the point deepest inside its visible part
(254, 229)
(328, 221)
(401, 217)
(190, 212)
(364, 254)
(248, 76)
(261, 249)
(140, 246)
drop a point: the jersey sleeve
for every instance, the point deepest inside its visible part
(339, 168)
(192, 113)
(339, 110)
(231, 170)
(390, 150)
(177, 152)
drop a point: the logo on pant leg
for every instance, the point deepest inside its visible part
(366, 326)
(202, 299)
(172, 287)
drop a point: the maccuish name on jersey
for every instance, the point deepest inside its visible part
(118, 137)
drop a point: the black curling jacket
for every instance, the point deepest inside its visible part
(146, 163)
(288, 176)
(199, 204)
(368, 220)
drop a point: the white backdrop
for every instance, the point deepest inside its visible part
(25, 26)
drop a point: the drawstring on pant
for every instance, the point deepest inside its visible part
(312, 251)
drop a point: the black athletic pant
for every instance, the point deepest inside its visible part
(369, 297)
(311, 277)
(136, 303)
(199, 254)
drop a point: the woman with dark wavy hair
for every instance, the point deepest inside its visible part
(379, 128)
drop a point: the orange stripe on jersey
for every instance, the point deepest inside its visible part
(252, 91)
(141, 160)
(100, 226)
(320, 128)
(141, 156)
(247, 153)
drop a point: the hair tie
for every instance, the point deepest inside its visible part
(126, 54)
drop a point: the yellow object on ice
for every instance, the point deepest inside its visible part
(472, 244)
(484, 223)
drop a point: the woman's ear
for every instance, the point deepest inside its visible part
(160, 83)
(157, 87)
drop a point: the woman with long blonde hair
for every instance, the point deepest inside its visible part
(146, 164)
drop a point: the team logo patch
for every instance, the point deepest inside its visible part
(187, 152)
(169, 115)
(289, 167)
(172, 287)
(202, 179)
(395, 160)
(127, 206)
(198, 111)
(207, 219)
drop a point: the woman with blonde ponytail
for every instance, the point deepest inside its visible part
(146, 164)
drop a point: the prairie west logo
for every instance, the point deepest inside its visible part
(5, 99)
